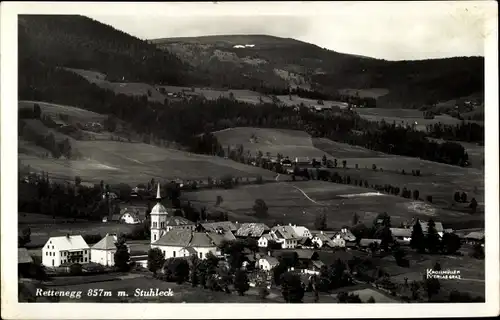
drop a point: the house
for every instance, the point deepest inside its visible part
(138, 210)
(312, 267)
(130, 218)
(322, 240)
(267, 263)
(346, 234)
(298, 161)
(401, 235)
(175, 242)
(285, 236)
(65, 249)
(475, 237)
(178, 223)
(253, 230)
(263, 241)
(301, 232)
(338, 241)
(305, 243)
(103, 252)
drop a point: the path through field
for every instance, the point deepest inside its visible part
(305, 195)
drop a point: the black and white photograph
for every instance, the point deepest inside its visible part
(250, 153)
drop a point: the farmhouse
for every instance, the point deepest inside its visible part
(175, 243)
(253, 230)
(65, 249)
(475, 237)
(286, 236)
(301, 232)
(322, 240)
(103, 252)
(263, 241)
(130, 218)
(267, 263)
(312, 267)
(401, 235)
(346, 234)
(365, 243)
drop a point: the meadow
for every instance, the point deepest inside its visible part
(300, 203)
(290, 143)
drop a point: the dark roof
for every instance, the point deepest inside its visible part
(367, 242)
(285, 232)
(185, 238)
(401, 232)
(23, 256)
(475, 235)
(251, 230)
(178, 221)
(225, 225)
(218, 238)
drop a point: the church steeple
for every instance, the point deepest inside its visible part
(158, 194)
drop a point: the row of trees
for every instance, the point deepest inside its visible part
(470, 132)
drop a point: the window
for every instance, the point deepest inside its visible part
(201, 255)
(85, 259)
(154, 224)
(46, 253)
(174, 254)
(162, 224)
(154, 237)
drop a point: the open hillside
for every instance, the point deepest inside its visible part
(261, 60)
(111, 156)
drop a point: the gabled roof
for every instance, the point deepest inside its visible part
(178, 221)
(476, 235)
(271, 260)
(106, 243)
(317, 263)
(185, 238)
(285, 232)
(218, 238)
(225, 225)
(267, 236)
(300, 230)
(252, 230)
(325, 239)
(346, 235)
(305, 254)
(401, 232)
(68, 242)
(23, 256)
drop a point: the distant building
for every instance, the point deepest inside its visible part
(301, 232)
(65, 249)
(286, 236)
(253, 230)
(322, 240)
(130, 218)
(401, 235)
(263, 241)
(475, 237)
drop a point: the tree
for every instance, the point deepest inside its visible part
(355, 219)
(37, 111)
(260, 208)
(417, 241)
(344, 164)
(292, 288)
(473, 205)
(432, 239)
(451, 243)
(122, 255)
(386, 237)
(437, 267)
(320, 222)
(241, 282)
(156, 259)
(432, 287)
(416, 194)
(429, 199)
(478, 251)
(463, 197)
(374, 167)
(344, 297)
(218, 201)
(456, 196)
(78, 180)
(25, 237)
(323, 160)
(335, 163)
(371, 300)
(263, 292)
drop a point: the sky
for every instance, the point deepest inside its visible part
(392, 31)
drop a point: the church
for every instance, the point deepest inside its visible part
(176, 236)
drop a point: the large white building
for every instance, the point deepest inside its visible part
(159, 216)
(65, 249)
(104, 251)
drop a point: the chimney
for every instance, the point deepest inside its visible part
(269, 253)
(290, 224)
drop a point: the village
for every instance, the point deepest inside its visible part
(254, 255)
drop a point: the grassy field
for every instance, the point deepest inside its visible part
(344, 150)
(128, 162)
(296, 100)
(300, 202)
(72, 112)
(290, 143)
(403, 116)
